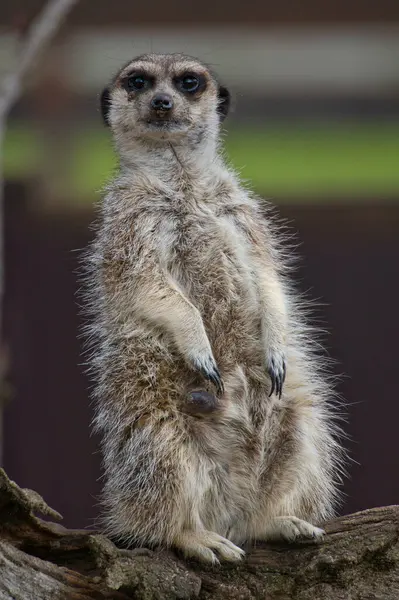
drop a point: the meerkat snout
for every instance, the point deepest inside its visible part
(162, 103)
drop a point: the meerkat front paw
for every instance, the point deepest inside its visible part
(290, 529)
(277, 369)
(207, 366)
(207, 546)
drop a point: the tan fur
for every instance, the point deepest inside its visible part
(186, 275)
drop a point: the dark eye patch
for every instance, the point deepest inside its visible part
(190, 83)
(138, 81)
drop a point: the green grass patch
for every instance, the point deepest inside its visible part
(340, 159)
(310, 160)
(23, 152)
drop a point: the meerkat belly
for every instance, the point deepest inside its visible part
(216, 273)
(214, 270)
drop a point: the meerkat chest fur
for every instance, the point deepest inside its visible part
(208, 255)
(196, 223)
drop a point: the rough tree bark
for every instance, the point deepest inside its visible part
(41, 560)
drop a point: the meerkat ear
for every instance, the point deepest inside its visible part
(224, 102)
(105, 103)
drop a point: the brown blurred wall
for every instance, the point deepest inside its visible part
(123, 13)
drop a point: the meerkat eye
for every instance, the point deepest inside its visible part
(135, 83)
(189, 83)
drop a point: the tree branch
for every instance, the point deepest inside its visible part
(359, 560)
(42, 30)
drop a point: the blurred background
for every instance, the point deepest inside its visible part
(315, 128)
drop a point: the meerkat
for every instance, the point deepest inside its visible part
(214, 409)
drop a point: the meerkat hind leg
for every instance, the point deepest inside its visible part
(201, 544)
(290, 529)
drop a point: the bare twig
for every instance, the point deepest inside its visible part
(40, 33)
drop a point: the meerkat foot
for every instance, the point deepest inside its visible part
(207, 546)
(290, 529)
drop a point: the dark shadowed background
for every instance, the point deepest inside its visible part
(315, 128)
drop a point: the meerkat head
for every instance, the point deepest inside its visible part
(164, 97)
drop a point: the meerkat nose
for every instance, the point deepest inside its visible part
(162, 102)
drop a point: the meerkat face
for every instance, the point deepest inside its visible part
(164, 97)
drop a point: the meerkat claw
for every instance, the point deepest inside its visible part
(215, 377)
(277, 371)
(217, 381)
(210, 371)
